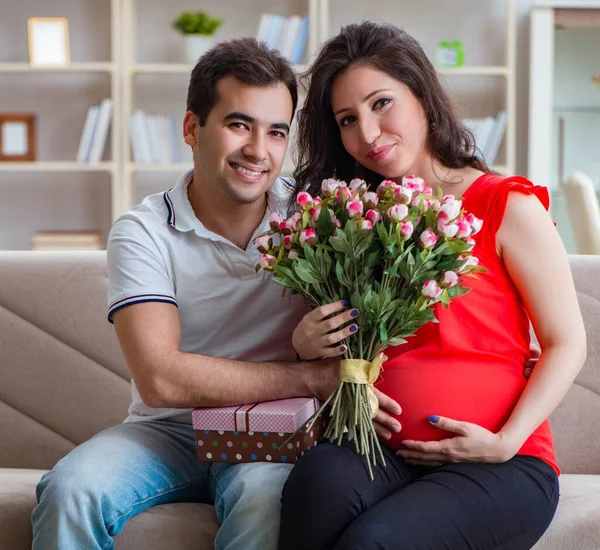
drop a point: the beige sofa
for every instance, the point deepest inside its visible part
(63, 378)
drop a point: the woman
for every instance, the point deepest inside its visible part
(473, 465)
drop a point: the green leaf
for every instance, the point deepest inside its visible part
(383, 333)
(324, 225)
(396, 341)
(304, 271)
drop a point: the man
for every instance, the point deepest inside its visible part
(197, 324)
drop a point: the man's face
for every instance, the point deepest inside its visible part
(241, 148)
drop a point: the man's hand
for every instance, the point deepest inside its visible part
(384, 422)
(472, 443)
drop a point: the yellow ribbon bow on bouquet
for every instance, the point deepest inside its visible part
(360, 371)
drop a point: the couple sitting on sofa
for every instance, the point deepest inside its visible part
(473, 464)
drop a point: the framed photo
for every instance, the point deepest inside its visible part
(17, 137)
(48, 41)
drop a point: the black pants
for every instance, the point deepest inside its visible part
(330, 503)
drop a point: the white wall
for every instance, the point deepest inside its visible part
(29, 202)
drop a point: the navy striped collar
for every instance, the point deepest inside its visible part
(181, 216)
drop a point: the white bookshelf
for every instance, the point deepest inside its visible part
(142, 62)
(49, 171)
(133, 174)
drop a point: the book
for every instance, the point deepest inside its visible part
(101, 131)
(87, 134)
(67, 240)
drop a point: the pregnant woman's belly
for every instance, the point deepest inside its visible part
(477, 392)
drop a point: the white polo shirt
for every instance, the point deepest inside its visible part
(160, 252)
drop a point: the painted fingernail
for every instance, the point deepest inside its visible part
(354, 313)
(433, 418)
(345, 303)
(353, 328)
(343, 348)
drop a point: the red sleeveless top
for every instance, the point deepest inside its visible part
(469, 366)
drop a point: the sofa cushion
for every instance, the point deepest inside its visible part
(575, 526)
(182, 526)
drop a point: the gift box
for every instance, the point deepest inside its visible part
(255, 433)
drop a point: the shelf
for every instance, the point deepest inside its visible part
(55, 166)
(72, 68)
(175, 167)
(178, 68)
(577, 109)
(474, 71)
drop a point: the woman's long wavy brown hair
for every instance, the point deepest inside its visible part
(320, 152)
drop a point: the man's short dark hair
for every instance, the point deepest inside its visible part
(248, 60)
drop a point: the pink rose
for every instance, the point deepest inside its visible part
(366, 225)
(414, 183)
(342, 194)
(476, 223)
(451, 207)
(285, 227)
(384, 187)
(288, 241)
(449, 279)
(355, 208)
(267, 262)
(275, 220)
(358, 186)
(470, 242)
(470, 263)
(431, 290)
(308, 237)
(428, 238)
(402, 195)
(329, 186)
(406, 230)
(314, 213)
(295, 222)
(464, 228)
(373, 216)
(263, 243)
(293, 254)
(397, 212)
(448, 230)
(304, 200)
(371, 199)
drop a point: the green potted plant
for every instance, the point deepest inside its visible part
(198, 29)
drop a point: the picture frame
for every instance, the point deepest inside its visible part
(17, 137)
(48, 41)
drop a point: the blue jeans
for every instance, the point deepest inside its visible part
(90, 494)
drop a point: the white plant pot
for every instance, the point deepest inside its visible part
(196, 45)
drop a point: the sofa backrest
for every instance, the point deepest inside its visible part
(63, 377)
(575, 421)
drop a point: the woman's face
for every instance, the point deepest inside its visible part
(382, 124)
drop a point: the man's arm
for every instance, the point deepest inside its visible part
(150, 335)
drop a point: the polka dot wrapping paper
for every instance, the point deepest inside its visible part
(255, 433)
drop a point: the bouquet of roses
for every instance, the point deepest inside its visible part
(393, 254)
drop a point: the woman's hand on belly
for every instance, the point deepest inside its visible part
(472, 443)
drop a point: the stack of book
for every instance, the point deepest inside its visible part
(95, 132)
(67, 240)
(488, 133)
(154, 138)
(286, 34)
